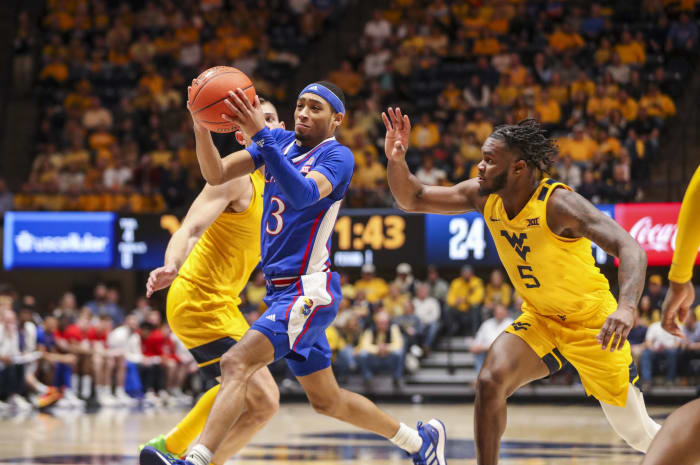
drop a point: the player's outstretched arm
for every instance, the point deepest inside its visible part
(208, 205)
(411, 195)
(570, 215)
(681, 292)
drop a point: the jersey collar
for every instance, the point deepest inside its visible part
(300, 157)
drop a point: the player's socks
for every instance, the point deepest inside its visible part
(408, 439)
(192, 425)
(199, 455)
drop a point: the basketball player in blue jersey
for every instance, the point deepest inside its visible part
(307, 173)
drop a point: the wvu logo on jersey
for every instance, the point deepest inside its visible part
(308, 305)
(517, 242)
(518, 325)
(533, 221)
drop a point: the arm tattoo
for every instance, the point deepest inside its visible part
(419, 193)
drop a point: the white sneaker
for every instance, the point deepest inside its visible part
(20, 403)
(5, 409)
(107, 400)
(72, 399)
(124, 399)
(152, 399)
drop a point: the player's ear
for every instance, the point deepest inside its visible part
(282, 125)
(519, 166)
(338, 119)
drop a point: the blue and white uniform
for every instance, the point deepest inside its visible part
(302, 293)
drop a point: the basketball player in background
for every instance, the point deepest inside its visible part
(677, 442)
(307, 173)
(543, 232)
(207, 264)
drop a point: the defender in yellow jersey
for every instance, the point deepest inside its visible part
(677, 442)
(207, 264)
(543, 232)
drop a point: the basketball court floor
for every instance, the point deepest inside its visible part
(536, 435)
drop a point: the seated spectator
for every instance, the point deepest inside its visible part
(381, 350)
(637, 337)
(497, 290)
(12, 384)
(568, 172)
(656, 292)
(488, 332)
(690, 358)
(374, 288)
(61, 362)
(476, 94)
(480, 126)
(410, 326)
(425, 134)
(430, 175)
(683, 33)
(427, 309)
(579, 146)
(464, 299)
(343, 354)
(103, 304)
(630, 51)
(438, 286)
(660, 346)
(103, 361)
(394, 302)
(590, 188)
(119, 342)
(404, 278)
(657, 105)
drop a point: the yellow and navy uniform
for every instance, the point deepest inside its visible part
(202, 304)
(566, 299)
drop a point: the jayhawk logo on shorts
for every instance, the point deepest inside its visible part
(308, 305)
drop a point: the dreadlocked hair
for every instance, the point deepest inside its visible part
(530, 140)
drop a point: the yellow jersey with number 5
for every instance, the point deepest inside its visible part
(555, 276)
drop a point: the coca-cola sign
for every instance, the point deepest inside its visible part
(654, 226)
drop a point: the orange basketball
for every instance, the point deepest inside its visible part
(210, 90)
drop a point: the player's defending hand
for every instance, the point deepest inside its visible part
(616, 329)
(398, 128)
(249, 117)
(679, 298)
(160, 278)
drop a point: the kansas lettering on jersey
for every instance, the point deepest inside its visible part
(554, 275)
(229, 250)
(296, 242)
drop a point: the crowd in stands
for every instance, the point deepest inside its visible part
(113, 132)
(67, 354)
(605, 80)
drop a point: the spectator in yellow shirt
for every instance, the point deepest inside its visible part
(657, 104)
(425, 134)
(583, 83)
(369, 172)
(498, 291)
(516, 71)
(558, 89)
(604, 53)
(564, 38)
(580, 147)
(55, 71)
(628, 106)
(600, 105)
(480, 126)
(464, 300)
(631, 52)
(548, 109)
(375, 288)
(347, 79)
(488, 45)
(507, 92)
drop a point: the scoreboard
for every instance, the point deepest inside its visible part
(384, 237)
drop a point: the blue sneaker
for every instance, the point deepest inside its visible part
(151, 456)
(432, 452)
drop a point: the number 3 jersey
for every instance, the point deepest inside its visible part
(297, 242)
(555, 276)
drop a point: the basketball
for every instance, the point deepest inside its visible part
(210, 90)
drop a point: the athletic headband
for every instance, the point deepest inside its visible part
(327, 95)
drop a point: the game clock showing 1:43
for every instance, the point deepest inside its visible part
(385, 239)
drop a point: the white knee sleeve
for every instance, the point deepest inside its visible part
(632, 422)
